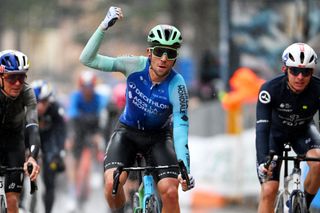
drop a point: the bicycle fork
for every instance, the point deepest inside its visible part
(149, 190)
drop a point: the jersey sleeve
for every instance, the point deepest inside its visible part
(263, 122)
(31, 107)
(32, 125)
(123, 64)
(179, 100)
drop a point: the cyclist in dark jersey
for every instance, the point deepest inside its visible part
(52, 134)
(285, 111)
(17, 113)
(156, 96)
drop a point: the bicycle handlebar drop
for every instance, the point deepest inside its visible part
(33, 184)
(272, 157)
(184, 172)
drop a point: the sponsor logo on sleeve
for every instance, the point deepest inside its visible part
(264, 97)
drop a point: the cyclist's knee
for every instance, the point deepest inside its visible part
(12, 200)
(315, 170)
(269, 191)
(169, 193)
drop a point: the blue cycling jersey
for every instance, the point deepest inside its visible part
(79, 106)
(149, 106)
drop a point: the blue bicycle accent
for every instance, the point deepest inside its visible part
(146, 199)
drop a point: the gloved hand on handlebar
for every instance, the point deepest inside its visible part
(262, 171)
(183, 183)
(114, 13)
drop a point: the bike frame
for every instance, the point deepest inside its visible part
(2, 190)
(285, 193)
(147, 191)
(285, 199)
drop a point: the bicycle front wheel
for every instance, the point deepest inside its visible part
(3, 208)
(280, 203)
(298, 204)
(152, 205)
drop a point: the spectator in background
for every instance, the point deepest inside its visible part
(208, 74)
(52, 134)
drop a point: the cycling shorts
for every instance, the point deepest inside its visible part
(12, 154)
(156, 147)
(85, 129)
(300, 141)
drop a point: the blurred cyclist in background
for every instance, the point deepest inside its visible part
(115, 108)
(52, 134)
(85, 136)
(156, 96)
(18, 114)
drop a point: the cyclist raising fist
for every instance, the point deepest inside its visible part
(285, 111)
(17, 113)
(156, 97)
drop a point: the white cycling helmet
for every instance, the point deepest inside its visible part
(42, 89)
(165, 35)
(299, 55)
(87, 78)
(14, 62)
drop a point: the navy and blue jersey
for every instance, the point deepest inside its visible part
(283, 114)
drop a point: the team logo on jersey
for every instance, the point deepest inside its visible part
(185, 118)
(183, 98)
(132, 85)
(264, 97)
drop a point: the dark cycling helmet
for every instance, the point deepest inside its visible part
(42, 89)
(13, 62)
(165, 35)
(299, 55)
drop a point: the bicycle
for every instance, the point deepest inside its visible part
(290, 200)
(3, 171)
(146, 199)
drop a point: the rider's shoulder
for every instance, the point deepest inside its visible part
(278, 80)
(315, 79)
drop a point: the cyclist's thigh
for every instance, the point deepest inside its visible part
(120, 150)
(162, 153)
(15, 158)
(306, 140)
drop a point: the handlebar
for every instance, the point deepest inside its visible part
(33, 184)
(116, 174)
(272, 157)
(184, 172)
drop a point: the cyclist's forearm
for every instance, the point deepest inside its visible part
(34, 140)
(90, 56)
(181, 146)
(262, 146)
